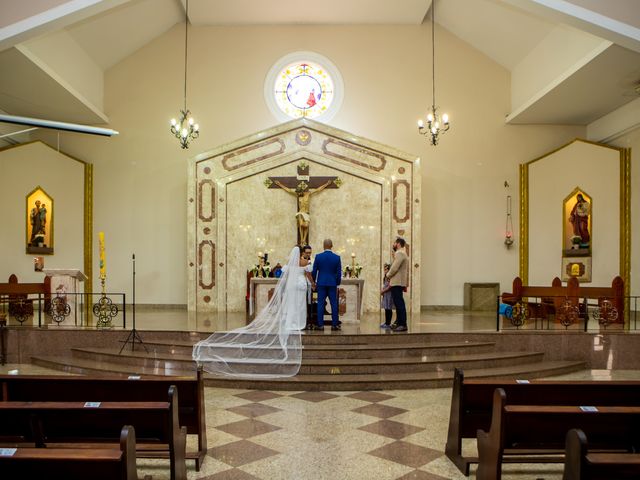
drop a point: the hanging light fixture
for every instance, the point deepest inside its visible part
(185, 129)
(508, 229)
(435, 125)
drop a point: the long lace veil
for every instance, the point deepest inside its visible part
(266, 348)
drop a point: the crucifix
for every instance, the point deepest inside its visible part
(302, 186)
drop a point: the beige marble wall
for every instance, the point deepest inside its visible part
(232, 213)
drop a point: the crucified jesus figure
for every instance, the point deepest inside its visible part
(303, 216)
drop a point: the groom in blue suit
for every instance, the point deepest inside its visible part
(327, 274)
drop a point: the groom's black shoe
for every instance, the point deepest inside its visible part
(336, 328)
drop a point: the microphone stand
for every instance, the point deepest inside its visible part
(134, 336)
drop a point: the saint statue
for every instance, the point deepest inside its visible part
(38, 218)
(579, 219)
(303, 216)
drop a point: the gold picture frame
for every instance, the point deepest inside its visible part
(39, 218)
(576, 267)
(572, 244)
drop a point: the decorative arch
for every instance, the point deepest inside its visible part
(232, 213)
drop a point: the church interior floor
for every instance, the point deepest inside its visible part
(431, 321)
(396, 434)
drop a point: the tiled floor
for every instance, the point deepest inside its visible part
(340, 435)
(369, 435)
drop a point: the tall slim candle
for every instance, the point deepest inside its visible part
(103, 265)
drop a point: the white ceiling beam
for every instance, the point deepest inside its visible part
(74, 90)
(596, 23)
(616, 123)
(64, 60)
(547, 66)
(49, 19)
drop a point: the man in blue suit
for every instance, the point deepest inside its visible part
(327, 274)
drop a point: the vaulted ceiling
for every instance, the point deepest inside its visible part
(577, 85)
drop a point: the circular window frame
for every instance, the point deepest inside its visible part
(301, 56)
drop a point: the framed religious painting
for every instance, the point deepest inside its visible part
(576, 267)
(576, 224)
(39, 222)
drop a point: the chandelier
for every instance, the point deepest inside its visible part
(185, 129)
(436, 125)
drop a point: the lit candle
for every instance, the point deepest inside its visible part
(103, 265)
(353, 255)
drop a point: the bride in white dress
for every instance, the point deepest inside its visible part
(270, 346)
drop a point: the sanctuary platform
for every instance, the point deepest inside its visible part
(360, 357)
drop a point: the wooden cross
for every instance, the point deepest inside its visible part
(303, 185)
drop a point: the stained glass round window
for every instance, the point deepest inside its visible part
(303, 84)
(303, 89)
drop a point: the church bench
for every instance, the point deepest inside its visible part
(75, 424)
(16, 296)
(527, 432)
(550, 298)
(553, 297)
(66, 388)
(472, 403)
(580, 464)
(75, 464)
(614, 294)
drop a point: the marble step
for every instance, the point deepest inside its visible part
(412, 349)
(84, 366)
(314, 366)
(415, 364)
(320, 338)
(408, 347)
(336, 381)
(395, 381)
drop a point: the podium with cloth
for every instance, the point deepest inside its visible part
(65, 283)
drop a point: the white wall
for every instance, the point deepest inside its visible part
(62, 58)
(22, 169)
(632, 140)
(596, 170)
(548, 64)
(140, 175)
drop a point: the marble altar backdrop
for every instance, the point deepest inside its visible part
(232, 215)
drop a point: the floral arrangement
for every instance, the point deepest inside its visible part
(576, 240)
(352, 271)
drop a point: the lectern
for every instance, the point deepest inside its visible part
(66, 283)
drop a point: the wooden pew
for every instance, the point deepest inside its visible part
(66, 388)
(75, 464)
(614, 293)
(579, 464)
(472, 403)
(553, 297)
(70, 424)
(16, 296)
(529, 431)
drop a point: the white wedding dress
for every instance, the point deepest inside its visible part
(270, 346)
